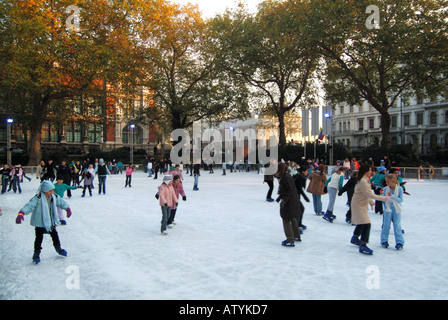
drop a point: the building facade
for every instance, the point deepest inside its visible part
(95, 123)
(423, 124)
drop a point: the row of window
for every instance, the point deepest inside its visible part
(344, 126)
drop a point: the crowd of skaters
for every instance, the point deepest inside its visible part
(380, 187)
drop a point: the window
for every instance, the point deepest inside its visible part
(73, 132)
(406, 119)
(393, 121)
(446, 116)
(95, 133)
(360, 124)
(433, 118)
(49, 133)
(371, 123)
(419, 118)
(433, 141)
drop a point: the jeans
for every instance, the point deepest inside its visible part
(196, 180)
(332, 192)
(388, 218)
(166, 212)
(317, 203)
(102, 184)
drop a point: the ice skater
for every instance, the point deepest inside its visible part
(102, 171)
(334, 184)
(377, 184)
(300, 182)
(179, 191)
(362, 197)
(316, 187)
(167, 201)
(349, 187)
(129, 170)
(59, 188)
(87, 177)
(392, 212)
(289, 205)
(44, 217)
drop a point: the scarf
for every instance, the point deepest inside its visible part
(49, 215)
(397, 206)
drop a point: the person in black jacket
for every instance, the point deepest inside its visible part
(64, 172)
(300, 182)
(349, 187)
(289, 205)
(49, 169)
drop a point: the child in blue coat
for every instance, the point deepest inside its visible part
(44, 217)
(392, 212)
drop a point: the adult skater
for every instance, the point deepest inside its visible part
(316, 187)
(44, 217)
(269, 179)
(289, 205)
(300, 182)
(334, 184)
(102, 171)
(392, 212)
(196, 173)
(362, 197)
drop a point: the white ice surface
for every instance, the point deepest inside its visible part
(226, 245)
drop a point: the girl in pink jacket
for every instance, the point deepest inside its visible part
(178, 190)
(167, 201)
(129, 170)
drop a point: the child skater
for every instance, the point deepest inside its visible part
(349, 187)
(334, 184)
(129, 170)
(59, 188)
(362, 197)
(44, 217)
(392, 212)
(377, 184)
(87, 177)
(289, 205)
(167, 200)
(178, 190)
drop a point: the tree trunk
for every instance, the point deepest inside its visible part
(281, 128)
(385, 130)
(40, 110)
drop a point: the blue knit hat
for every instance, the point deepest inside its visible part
(46, 186)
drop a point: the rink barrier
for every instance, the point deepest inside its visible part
(406, 172)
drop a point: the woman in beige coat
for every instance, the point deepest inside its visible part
(362, 197)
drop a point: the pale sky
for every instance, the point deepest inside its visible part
(210, 8)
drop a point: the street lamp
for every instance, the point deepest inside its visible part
(9, 122)
(328, 116)
(131, 158)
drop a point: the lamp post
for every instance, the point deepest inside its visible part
(329, 116)
(131, 157)
(9, 122)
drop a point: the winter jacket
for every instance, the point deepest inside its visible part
(60, 189)
(362, 197)
(167, 195)
(378, 180)
(44, 218)
(300, 182)
(317, 183)
(290, 203)
(349, 187)
(88, 179)
(129, 171)
(179, 190)
(336, 181)
(396, 199)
